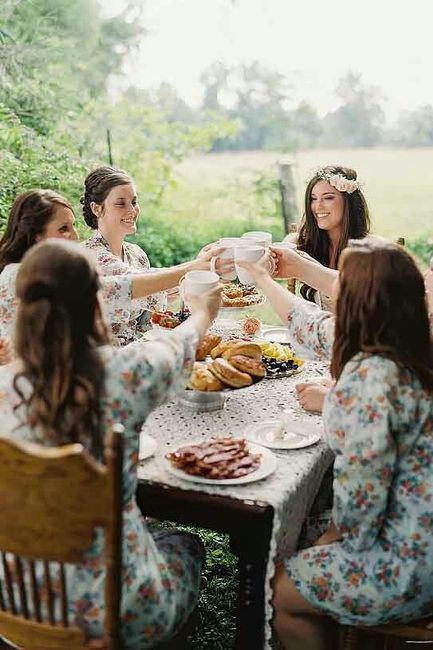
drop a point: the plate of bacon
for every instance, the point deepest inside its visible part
(222, 461)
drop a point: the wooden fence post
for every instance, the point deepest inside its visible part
(110, 155)
(288, 193)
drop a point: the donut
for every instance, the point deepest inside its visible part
(202, 379)
(229, 374)
(208, 342)
(254, 367)
(243, 347)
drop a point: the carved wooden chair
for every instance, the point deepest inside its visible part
(51, 499)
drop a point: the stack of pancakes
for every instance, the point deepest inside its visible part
(235, 364)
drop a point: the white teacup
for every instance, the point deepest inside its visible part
(248, 254)
(197, 282)
(228, 254)
(284, 244)
(260, 237)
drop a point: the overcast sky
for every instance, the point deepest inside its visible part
(312, 42)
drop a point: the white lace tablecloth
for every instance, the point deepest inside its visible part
(291, 489)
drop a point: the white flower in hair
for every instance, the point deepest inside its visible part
(340, 182)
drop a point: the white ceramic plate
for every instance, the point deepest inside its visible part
(267, 466)
(275, 334)
(297, 434)
(147, 446)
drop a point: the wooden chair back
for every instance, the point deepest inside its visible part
(51, 500)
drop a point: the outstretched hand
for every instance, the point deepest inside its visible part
(210, 251)
(265, 266)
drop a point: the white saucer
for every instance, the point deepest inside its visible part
(275, 334)
(297, 434)
(147, 446)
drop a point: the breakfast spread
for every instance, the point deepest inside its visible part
(240, 295)
(216, 458)
(235, 364)
(169, 319)
(279, 359)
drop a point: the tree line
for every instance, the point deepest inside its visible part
(259, 102)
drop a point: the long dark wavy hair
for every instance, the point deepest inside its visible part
(59, 330)
(355, 223)
(381, 309)
(30, 214)
(97, 186)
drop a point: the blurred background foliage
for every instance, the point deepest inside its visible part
(58, 59)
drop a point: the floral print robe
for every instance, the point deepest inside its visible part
(134, 260)
(379, 422)
(116, 293)
(161, 571)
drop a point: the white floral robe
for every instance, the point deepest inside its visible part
(161, 571)
(134, 260)
(116, 294)
(379, 421)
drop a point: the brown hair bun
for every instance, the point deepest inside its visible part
(246, 349)
(254, 367)
(229, 374)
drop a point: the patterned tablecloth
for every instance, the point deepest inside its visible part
(293, 486)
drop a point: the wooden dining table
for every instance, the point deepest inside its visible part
(262, 518)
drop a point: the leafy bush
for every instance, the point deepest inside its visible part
(191, 216)
(422, 248)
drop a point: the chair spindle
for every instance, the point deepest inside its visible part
(9, 584)
(21, 586)
(63, 596)
(49, 592)
(35, 593)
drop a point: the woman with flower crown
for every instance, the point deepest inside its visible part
(335, 211)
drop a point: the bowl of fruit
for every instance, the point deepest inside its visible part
(279, 360)
(169, 319)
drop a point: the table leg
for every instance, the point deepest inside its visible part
(251, 545)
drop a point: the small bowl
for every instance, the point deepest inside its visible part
(201, 401)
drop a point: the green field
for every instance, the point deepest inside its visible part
(398, 183)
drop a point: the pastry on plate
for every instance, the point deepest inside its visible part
(243, 347)
(254, 367)
(208, 342)
(204, 380)
(230, 375)
(218, 350)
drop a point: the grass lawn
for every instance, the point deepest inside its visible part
(398, 183)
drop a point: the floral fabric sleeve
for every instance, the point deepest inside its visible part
(148, 373)
(117, 296)
(312, 331)
(358, 416)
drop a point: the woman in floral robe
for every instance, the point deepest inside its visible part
(374, 565)
(111, 209)
(161, 572)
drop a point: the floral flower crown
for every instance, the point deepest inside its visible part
(340, 182)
